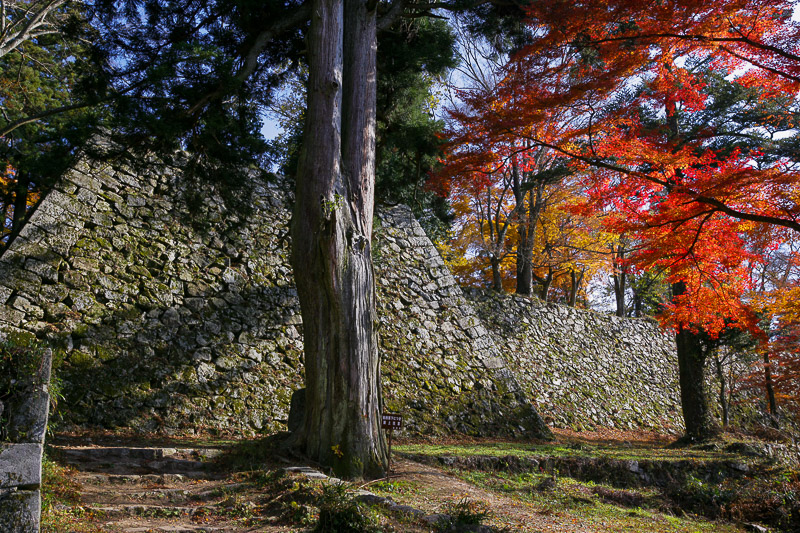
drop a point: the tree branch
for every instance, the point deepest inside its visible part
(39, 19)
(394, 12)
(8, 128)
(791, 223)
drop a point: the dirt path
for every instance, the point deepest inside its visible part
(442, 488)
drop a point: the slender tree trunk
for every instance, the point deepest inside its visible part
(691, 374)
(575, 284)
(8, 213)
(331, 244)
(524, 262)
(20, 204)
(497, 279)
(546, 282)
(637, 303)
(527, 240)
(619, 292)
(768, 385)
(620, 276)
(723, 393)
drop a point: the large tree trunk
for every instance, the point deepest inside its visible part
(691, 375)
(331, 244)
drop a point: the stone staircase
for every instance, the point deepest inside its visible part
(163, 490)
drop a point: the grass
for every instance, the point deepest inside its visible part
(522, 449)
(587, 505)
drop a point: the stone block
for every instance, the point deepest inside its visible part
(20, 466)
(28, 416)
(20, 511)
(10, 316)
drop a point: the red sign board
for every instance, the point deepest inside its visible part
(391, 421)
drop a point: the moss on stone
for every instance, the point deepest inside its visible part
(81, 360)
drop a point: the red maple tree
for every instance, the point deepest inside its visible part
(621, 79)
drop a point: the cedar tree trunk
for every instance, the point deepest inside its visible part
(331, 244)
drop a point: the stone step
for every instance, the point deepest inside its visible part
(156, 496)
(144, 479)
(173, 495)
(176, 466)
(156, 511)
(172, 528)
(118, 452)
(129, 460)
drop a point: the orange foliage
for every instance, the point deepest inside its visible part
(706, 218)
(697, 212)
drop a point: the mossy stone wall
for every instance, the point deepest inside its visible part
(179, 318)
(585, 369)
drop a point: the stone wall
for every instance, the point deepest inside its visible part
(176, 317)
(439, 362)
(169, 318)
(584, 369)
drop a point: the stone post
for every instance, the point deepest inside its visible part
(21, 458)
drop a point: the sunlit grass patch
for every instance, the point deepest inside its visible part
(586, 504)
(521, 449)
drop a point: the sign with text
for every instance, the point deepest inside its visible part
(391, 421)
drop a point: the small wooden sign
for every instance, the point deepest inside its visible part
(391, 421)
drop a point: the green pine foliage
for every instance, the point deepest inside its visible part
(412, 59)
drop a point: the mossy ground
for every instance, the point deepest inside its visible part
(561, 448)
(696, 497)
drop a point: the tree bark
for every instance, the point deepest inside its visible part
(497, 279)
(620, 278)
(20, 204)
(575, 283)
(723, 390)
(331, 244)
(527, 238)
(619, 293)
(772, 404)
(524, 262)
(691, 374)
(545, 284)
